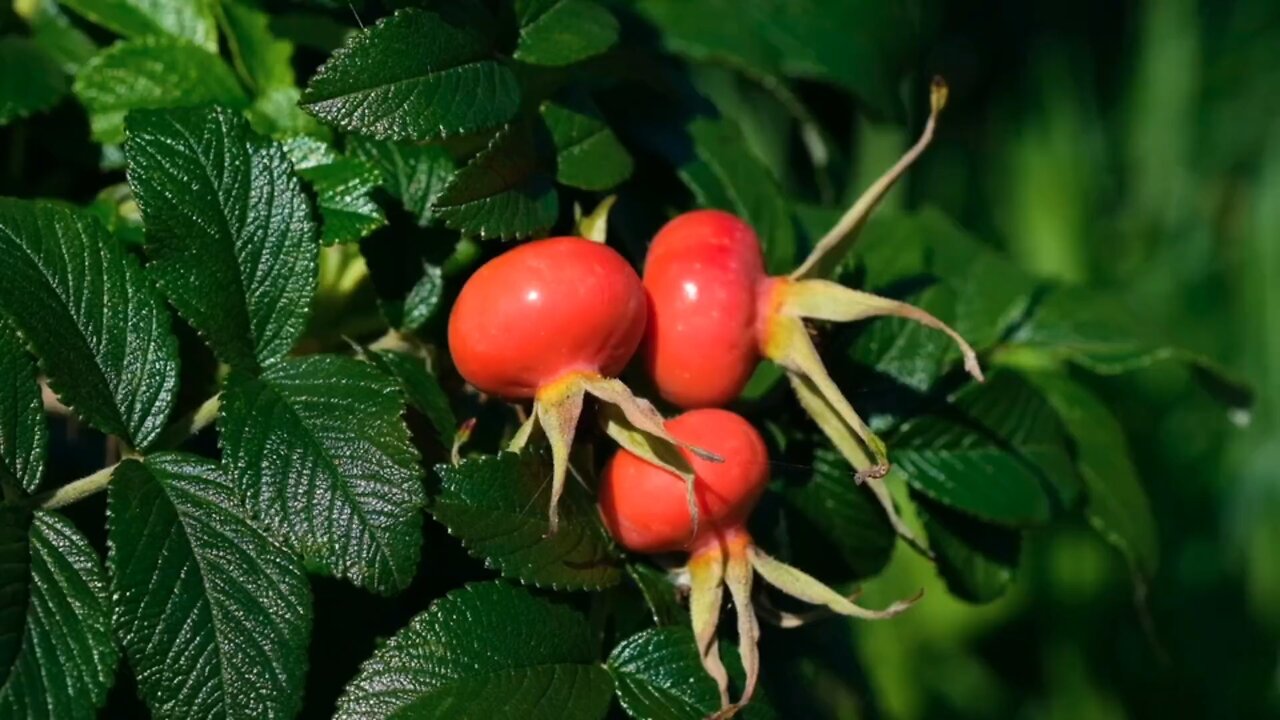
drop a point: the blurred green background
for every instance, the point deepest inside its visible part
(1133, 147)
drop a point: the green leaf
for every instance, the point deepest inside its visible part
(1115, 502)
(31, 80)
(229, 231)
(86, 308)
(658, 676)
(24, 435)
(563, 32)
(994, 450)
(865, 48)
(976, 560)
(497, 506)
(1096, 332)
(659, 593)
(486, 651)
(414, 76)
(318, 450)
(152, 73)
(842, 518)
(190, 20)
(57, 658)
(421, 388)
(343, 186)
(965, 284)
(504, 192)
(588, 155)
(414, 174)
(724, 174)
(214, 615)
(53, 31)
(262, 59)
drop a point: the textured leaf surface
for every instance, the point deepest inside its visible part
(190, 20)
(57, 658)
(562, 32)
(995, 451)
(498, 507)
(319, 452)
(841, 517)
(1115, 502)
(152, 73)
(23, 432)
(485, 652)
(658, 676)
(343, 187)
(421, 388)
(414, 76)
(30, 79)
(214, 615)
(588, 155)
(505, 191)
(85, 307)
(229, 231)
(415, 174)
(976, 560)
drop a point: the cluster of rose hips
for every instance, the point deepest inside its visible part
(558, 319)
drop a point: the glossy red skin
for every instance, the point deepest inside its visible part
(545, 309)
(645, 507)
(705, 275)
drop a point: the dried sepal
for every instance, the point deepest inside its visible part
(706, 597)
(833, 246)
(802, 586)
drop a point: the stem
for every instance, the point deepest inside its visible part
(76, 489)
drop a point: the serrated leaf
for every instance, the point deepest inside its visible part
(88, 312)
(229, 231)
(152, 72)
(263, 59)
(421, 388)
(414, 174)
(190, 20)
(416, 75)
(1116, 504)
(23, 432)
(317, 449)
(723, 173)
(498, 505)
(588, 155)
(563, 32)
(976, 560)
(214, 615)
(1097, 333)
(486, 651)
(844, 519)
(57, 658)
(505, 191)
(658, 676)
(343, 186)
(995, 451)
(31, 80)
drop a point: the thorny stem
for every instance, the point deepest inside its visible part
(96, 482)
